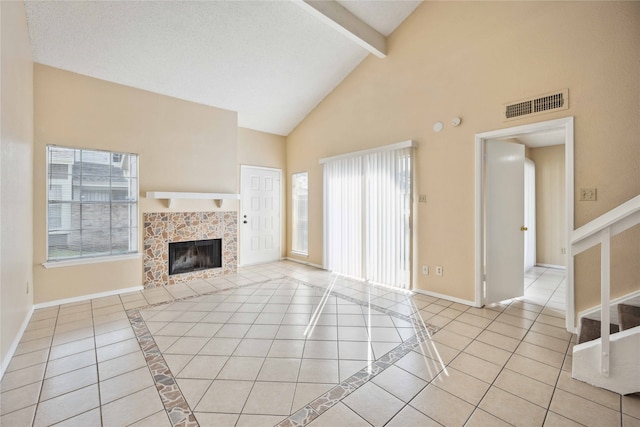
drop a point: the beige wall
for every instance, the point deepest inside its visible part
(16, 170)
(466, 59)
(550, 204)
(257, 148)
(267, 150)
(182, 146)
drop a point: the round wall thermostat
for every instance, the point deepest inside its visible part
(437, 126)
(456, 121)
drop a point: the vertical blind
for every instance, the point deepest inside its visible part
(367, 215)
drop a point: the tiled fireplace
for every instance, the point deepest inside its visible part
(162, 228)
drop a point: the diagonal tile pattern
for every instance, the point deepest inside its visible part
(286, 344)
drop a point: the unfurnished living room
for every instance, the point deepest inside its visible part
(323, 213)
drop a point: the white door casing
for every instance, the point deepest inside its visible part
(504, 220)
(566, 125)
(260, 220)
(529, 214)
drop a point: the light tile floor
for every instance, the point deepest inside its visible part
(271, 346)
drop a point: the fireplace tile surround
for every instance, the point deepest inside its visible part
(160, 228)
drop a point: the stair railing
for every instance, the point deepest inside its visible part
(600, 230)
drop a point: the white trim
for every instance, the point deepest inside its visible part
(557, 267)
(565, 123)
(94, 260)
(293, 213)
(186, 195)
(267, 168)
(617, 219)
(397, 146)
(16, 341)
(445, 297)
(346, 23)
(281, 217)
(299, 261)
(325, 216)
(136, 203)
(570, 309)
(87, 297)
(479, 222)
(170, 196)
(257, 264)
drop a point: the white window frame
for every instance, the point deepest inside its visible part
(297, 204)
(66, 204)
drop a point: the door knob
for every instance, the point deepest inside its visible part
(523, 228)
(244, 222)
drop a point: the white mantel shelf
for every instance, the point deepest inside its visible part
(170, 196)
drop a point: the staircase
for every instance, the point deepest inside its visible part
(624, 315)
(607, 353)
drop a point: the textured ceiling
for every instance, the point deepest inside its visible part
(270, 61)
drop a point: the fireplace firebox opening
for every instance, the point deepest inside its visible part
(195, 255)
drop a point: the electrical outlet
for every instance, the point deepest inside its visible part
(563, 251)
(438, 270)
(588, 194)
(422, 198)
(425, 270)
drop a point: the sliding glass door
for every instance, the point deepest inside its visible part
(367, 212)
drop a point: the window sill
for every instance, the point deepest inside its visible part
(82, 261)
(300, 254)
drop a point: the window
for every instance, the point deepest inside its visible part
(300, 214)
(367, 202)
(92, 203)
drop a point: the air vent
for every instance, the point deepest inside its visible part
(546, 103)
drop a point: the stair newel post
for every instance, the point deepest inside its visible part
(605, 290)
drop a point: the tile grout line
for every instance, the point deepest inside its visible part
(95, 351)
(349, 385)
(477, 406)
(176, 407)
(347, 298)
(172, 398)
(335, 395)
(44, 374)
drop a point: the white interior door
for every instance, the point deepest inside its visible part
(504, 216)
(259, 215)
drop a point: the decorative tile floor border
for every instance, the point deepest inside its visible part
(323, 403)
(181, 415)
(172, 398)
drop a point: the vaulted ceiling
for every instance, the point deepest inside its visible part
(271, 61)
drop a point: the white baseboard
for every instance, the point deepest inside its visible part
(87, 297)
(16, 341)
(557, 267)
(447, 297)
(299, 261)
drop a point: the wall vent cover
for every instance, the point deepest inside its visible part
(554, 101)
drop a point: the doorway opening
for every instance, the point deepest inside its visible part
(489, 197)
